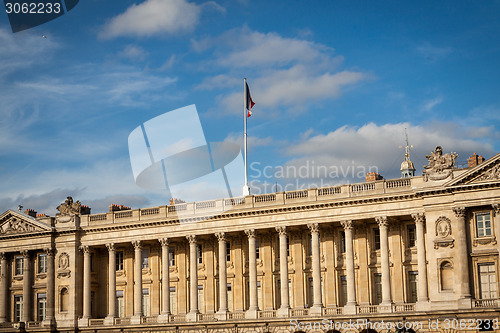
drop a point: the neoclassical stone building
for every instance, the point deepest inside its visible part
(419, 251)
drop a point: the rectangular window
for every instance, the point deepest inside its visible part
(259, 295)
(18, 308)
(290, 293)
(228, 251)
(145, 302)
(310, 244)
(342, 242)
(376, 239)
(412, 286)
(257, 248)
(145, 258)
(120, 304)
(411, 236)
(171, 256)
(41, 306)
(229, 297)
(173, 300)
(92, 262)
(487, 281)
(119, 260)
(287, 246)
(92, 303)
(343, 290)
(200, 254)
(19, 266)
(201, 299)
(310, 299)
(483, 224)
(42, 263)
(377, 288)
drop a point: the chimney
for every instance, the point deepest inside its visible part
(30, 212)
(373, 176)
(474, 160)
(115, 208)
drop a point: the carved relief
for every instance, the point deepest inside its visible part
(63, 265)
(443, 231)
(492, 174)
(69, 207)
(440, 166)
(15, 225)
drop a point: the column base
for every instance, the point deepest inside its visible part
(350, 308)
(251, 313)
(135, 319)
(109, 320)
(221, 315)
(422, 306)
(164, 318)
(316, 310)
(82, 322)
(192, 316)
(283, 312)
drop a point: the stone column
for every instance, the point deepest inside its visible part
(252, 275)
(222, 312)
(86, 282)
(3, 287)
(316, 268)
(51, 295)
(26, 286)
(423, 296)
(137, 282)
(462, 257)
(111, 284)
(383, 225)
(165, 280)
(193, 279)
(350, 307)
(283, 311)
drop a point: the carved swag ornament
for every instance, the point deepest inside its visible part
(440, 166)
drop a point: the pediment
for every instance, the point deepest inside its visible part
(488, 171)
(12, 222)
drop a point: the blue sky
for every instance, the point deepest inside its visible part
(335, 84)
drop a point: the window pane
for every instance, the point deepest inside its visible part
(145, 258)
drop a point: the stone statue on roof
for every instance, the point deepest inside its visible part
(440, 166)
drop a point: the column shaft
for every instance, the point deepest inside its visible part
(252, 270)
(137, 278)
(421, 257)
(193, 275)
(86, 282)
(462, 254)
(316, 265)
(221, 237)
(384, 256)
(111, 280)
(3, 288)
(349, 257)
(26, 287)
(51, 297)
(285, 297)
(165, 277)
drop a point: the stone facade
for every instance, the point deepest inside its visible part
(420, 251)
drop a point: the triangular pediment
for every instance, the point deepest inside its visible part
(488, 171)
(12, 222)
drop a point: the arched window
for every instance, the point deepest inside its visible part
(446, 274)
(64, 300)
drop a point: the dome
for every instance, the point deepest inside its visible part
(407, 165)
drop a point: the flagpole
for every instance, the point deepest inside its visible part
(246, 189)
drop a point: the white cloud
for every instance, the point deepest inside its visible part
(133, 52)
(429, 105)
(353, 149)
(432, 52)
(253, 141)
(153, 17)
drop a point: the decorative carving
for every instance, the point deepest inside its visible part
(496, 208)
(221, 236)
(418, 217)
(314, 227)
(137, 245)
(484, 241)
(69, 207)
(281, 230)
(382, 221)
(63, 265)
(347, 224)
(15, 225)
(492, 174)
(111, 247)
(26, 254)
(459, 211)
(3, 256)
(443, 227)
(440, 166)
(444, 243)
(191, 239)
(85, 249)
(250, 233)
(164, 241)
(49, 251)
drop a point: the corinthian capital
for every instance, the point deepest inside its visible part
(250, 233)
(221, 236)
(110, 247)
(459, 211)
(281, 231)
(137, 245)
(164, 241)
(191, 239)
(382, 221)
(314, 227)
(418, 217)
(346, 224)
(85, 249)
